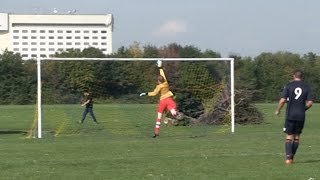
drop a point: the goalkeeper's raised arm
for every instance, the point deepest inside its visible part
(159, 63)
(163, 86)
(166, 101)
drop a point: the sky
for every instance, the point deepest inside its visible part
(240, 27)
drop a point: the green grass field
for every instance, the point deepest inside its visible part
(121, 147)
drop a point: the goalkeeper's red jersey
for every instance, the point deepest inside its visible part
(162, 89)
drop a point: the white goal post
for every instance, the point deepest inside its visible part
(39, 101)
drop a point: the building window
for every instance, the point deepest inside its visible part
(24, 55)
(77, 31)
(94, 37)
(24, 31)
(15, 37)
(33, 31)
(60, 37)
(69, 43)
(103, 49)
(24, 37)
(94, 32)
(103, 32)
(86, 32)
(33, 55)
(33, 43)
(24, 49)
(77, 43)
(68, 37)
(77, 37)
(33, 49)
(43, 55)
(33, 37)
(42, 43)
(59, 49)
(42, 37)
(60, 43)
(42, 31)
(51, 37)
(15, 49)
(86, 37)
(51, 49)
(15, 43)
(103, 37)
(103, 43)
(51, 43)
(51, 31)
(68, 31)
(15, 31)
(60, 31)
(86, 43)
(42, 49)
(95, 43)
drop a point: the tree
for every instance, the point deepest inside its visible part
(311, 69)
(273, 71)
(16, 83)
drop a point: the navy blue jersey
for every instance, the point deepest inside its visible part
(90, 103)
(296, 93)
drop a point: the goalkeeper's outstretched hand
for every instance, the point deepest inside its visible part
(159, 63)
(142, 94)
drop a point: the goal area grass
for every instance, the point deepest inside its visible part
(121, 146)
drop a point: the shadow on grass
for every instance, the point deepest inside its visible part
(310, 161)
(12, 132)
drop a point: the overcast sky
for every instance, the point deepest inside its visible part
(243, 27)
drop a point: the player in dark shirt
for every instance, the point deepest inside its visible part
(89, 107)
(297, 95)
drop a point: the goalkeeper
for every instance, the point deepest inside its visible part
(166, 101)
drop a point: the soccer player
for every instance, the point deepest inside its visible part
(166, 101)
(297, 95)
(89, 107)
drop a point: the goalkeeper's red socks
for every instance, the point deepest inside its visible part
(157, 127)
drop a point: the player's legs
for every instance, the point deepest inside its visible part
(84, 114)
(296, 139)
(158, 125)
(173, 112)
(161, 108)
(295, 144)
(288, 148)
(288, 129)
(293, 129)
(171, 106)
(92, 115)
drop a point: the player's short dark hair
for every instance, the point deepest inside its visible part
(298, 74)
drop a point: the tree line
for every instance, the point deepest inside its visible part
(262, 76)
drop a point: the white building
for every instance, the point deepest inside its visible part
(42, 35)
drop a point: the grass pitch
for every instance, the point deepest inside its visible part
(121, 147)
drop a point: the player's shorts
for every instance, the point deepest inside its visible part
(293, 127)
(167, 103)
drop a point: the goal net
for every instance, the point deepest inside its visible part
(203, 90)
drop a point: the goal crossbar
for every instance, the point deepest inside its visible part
(39, 100)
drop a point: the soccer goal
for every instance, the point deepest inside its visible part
(203, 88)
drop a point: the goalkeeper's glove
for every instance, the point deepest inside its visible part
(143, 94)
(159, 64)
